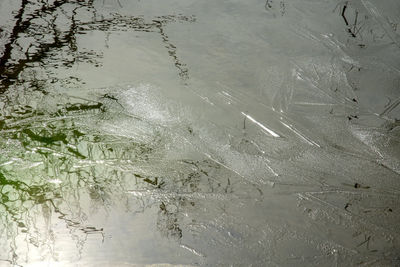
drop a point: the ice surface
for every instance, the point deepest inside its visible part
(211, 133)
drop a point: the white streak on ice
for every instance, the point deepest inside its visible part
(262, 126)
(300, 135)
(192, 250)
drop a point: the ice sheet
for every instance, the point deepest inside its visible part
(211, 133)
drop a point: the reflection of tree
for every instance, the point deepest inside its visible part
(53, 167)
(36, 36)
(45, 34)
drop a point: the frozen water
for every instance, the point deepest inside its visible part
(186, 133)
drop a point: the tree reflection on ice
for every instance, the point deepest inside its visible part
(51, 164)
(45, 34)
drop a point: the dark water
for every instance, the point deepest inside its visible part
(211, 133)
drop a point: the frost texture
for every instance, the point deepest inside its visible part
(262, 133)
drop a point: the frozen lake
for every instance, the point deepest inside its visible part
(199, 133)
